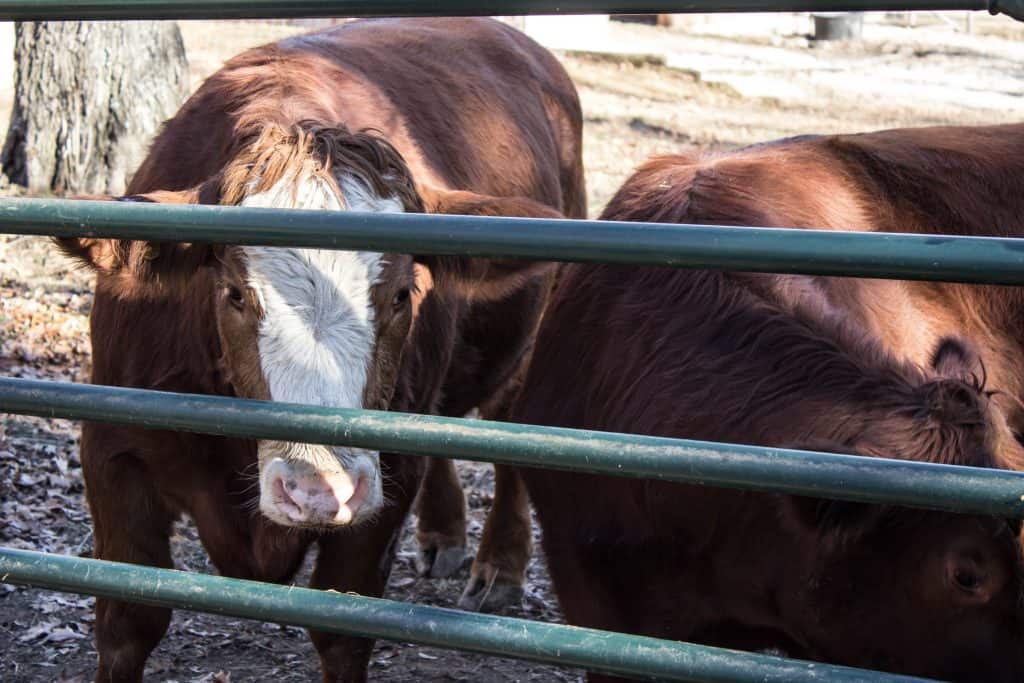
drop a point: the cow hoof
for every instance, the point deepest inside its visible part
(487, 591)
(440, 562)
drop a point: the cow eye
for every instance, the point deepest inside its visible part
(235, 297)
(966, 579)
(400, 298)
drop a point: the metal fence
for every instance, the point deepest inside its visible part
(944, 487)
(54, 10)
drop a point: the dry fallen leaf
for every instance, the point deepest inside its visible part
(61, 634)
(38, 631)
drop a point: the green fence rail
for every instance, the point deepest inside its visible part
(52, 10)
(815, 252)
(873, 480)
(613, 653)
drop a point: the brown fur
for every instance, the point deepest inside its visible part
(928, 181)
(462, 104)
(276, 153)
(306, 148)
(794, 361)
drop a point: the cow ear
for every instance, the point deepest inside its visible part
(155, 264)
(956, 358)
(958, 394)
(100, 255)
(835, 521)
(480, 278)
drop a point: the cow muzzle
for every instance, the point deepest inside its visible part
(317, 486)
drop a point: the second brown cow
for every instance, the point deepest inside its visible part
(879, 369)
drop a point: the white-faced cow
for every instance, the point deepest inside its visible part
(466, 117)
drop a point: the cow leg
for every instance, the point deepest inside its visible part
(590, 600)
(359, 560)
(491, 351)
(441, 525)
(130, 525)
(499, 570)
(498, 574)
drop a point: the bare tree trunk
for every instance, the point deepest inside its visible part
(88, 98)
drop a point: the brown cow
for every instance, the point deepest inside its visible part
(931, 181)
(471, 118)
(805, 362)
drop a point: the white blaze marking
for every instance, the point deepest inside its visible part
(317, 335)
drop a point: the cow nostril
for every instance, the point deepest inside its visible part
(285, 501)
(359, 495)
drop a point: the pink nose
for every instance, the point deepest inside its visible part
(314, 499)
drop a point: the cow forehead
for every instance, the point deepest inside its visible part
(314, 192)
(317, 335)
(305, 276)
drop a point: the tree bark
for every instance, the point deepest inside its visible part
(88, 98)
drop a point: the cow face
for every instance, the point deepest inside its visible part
(321, 327)
(914, 592)
(314, 327)
(318, 327)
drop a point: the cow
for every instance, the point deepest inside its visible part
(456, 116)
(925, 372)
(957, 180)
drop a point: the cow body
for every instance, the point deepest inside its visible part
(874, 368)
(487, 122)
(928, 181)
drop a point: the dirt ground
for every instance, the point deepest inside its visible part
(708, 83)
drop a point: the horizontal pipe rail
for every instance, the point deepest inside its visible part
(815, 252)
(346, 613)
(825, 475)
(52, 10)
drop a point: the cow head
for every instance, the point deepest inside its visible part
(915, 591)
(309, 326)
